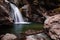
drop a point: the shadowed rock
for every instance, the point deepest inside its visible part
(5, 13)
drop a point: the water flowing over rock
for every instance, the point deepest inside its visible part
(16, 14)
(52, 26)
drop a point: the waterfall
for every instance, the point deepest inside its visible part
(16, 15)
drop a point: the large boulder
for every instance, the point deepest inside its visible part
(52, 26)
(9, 37)
(40, 36)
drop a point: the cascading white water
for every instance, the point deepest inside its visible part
(17, 13)
(18, 19)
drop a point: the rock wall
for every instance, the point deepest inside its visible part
(33, 12)
(4, 13)
(38, 8)
(52, 27)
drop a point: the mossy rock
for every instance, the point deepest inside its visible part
(57, 9)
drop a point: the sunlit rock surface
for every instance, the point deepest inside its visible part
(52, 26)
(36, 35)
(9, 37)
(40, 36)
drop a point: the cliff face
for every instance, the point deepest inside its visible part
(52, 27)
(35, 10)
(4, 13)
(38, 8)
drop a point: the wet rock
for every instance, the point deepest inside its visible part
(29, 32)
(40, 36)
(52, 24)
(5, 13)
(9, 37)
(35, 35)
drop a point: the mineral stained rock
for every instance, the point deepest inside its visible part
(52, 26)
(9, 37)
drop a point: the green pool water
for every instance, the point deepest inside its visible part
(18, 28)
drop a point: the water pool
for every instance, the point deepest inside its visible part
(17, 28)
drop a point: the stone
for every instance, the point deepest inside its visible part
(9, 37)
(39, 36)
(33, 37)
(53, 19)
(52, 24)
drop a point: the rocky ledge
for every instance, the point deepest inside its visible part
(52, 27)
(28, 35)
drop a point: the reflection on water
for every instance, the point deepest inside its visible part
(19, 28)
(6, 29)
(10, 29)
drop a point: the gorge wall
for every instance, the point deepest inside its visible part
(4, 13)
(34, 11)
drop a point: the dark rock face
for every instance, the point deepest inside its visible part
(52, 26)
(33, 5)
(4, 13)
